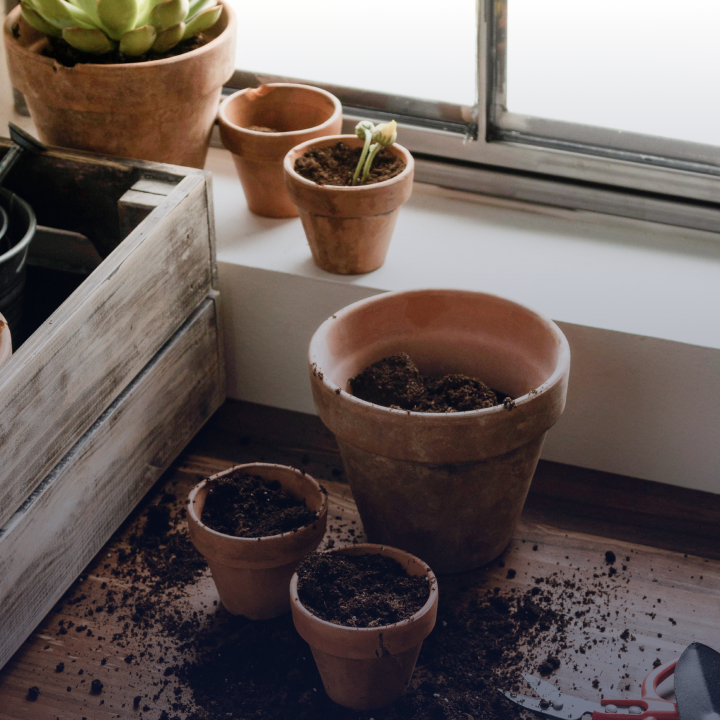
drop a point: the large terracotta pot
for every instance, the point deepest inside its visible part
(368, 668)
(298, 112)
(448, 488)
(161, 110)
(252, 575)
(5, 341)
(348, 228)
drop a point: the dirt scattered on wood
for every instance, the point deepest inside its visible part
(335, 165)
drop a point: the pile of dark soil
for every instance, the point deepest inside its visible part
(335, 165)
(360, 590)
(248, 506)
(396, 382)
(67, 55)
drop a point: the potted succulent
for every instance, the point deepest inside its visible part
(349, 189)
(267, 518)
(381, 614)
(446, 486)
(261, 125)
(5, 341)
(132, 78)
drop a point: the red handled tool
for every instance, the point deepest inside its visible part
(554, 704)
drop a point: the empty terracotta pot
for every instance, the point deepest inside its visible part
(161, 110)
(295, 113)
(449, 488)
(5, 341)
(348, 228)
(367, 668)
(252, 575)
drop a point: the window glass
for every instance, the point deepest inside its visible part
(417, 48)
(647, 66)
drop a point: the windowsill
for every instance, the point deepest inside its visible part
(638, 301)
(576, 267)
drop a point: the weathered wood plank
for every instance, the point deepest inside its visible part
(82, 358)
(48, 542)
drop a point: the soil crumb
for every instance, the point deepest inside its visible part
(396, 382)
(244, 505)
(360, 590)
(33, 693)
(335, 165)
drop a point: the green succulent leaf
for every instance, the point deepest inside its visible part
(205, 20)
(138, 41)
(197, 6)
(169, 13)
(169, 38)
(89, 40)
(117, 16)
(37, 21)
(62, 14)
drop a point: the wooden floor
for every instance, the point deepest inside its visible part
(669, 536)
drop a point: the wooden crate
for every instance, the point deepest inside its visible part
(100, 399)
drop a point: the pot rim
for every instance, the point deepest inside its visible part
(12, 18)
(337, 111)
(432, 596)
(322, 510)
(29, 233)
(397, 149)
(556, 377)
(5, 341)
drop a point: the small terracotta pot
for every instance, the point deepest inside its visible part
(252, 575)
(348, 228)
(448, 487)
(368, 668)
(161, 110)
(298, 112)
(5, 341)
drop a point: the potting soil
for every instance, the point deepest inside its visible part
(244, 505)
(65, 54)
(360, 590)
(396, 382)
(335, 165)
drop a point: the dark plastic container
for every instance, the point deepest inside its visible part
(13, 255)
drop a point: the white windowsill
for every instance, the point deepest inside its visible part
(639, 302)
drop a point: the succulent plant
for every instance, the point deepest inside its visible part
(132, 26)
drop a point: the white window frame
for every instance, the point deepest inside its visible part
(489, 150)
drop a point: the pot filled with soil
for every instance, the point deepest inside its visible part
(348, 227)
(18, 220)
(440, 401)
(5, 341)
(365, 611)
(150, 93)
(253, 524)
(261, 125)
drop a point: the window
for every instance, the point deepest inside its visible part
(606, 105)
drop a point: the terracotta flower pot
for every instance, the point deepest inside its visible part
(449, 488)
(298, 112)
(5, 341)
(367, 668)
(252, 575)
(348, 228)
(161, 110)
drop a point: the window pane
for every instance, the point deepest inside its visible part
(647, 66)
(416, 48)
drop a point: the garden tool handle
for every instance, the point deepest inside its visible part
(653, 706)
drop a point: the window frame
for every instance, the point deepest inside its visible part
(488, 150)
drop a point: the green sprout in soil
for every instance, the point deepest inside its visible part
(376, 137)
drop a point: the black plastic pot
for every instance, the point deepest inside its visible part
(13, 255)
